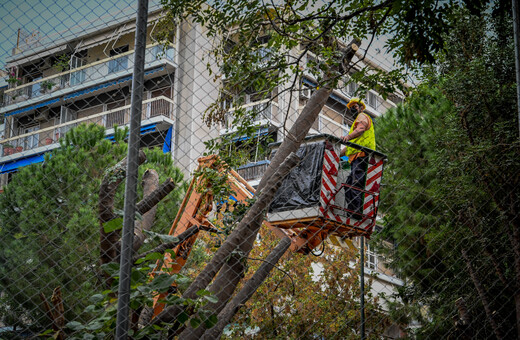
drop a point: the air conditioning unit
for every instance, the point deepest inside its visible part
(305, 93)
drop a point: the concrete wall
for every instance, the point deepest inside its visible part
(194, 92)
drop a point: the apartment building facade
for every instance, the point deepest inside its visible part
(87, 79)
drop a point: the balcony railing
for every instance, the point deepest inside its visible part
(264, 110)
(325, 124)
(253, 171)
(159, 106)
(83, 74)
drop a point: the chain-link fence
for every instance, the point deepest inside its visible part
(192, 170)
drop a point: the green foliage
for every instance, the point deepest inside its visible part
(307, 297)
(143, 290)
(62, 63)
(262, 48)
(49, 222)
(450, 184)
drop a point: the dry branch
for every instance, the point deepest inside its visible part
(55, 313)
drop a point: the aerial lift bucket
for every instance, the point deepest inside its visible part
(312, 197)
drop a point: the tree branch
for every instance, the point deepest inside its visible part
(151, 200)
(150, 183)
(113, 177)
(248, 290)
(165, 246)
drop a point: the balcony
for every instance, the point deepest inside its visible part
(35, 138)
(253, 171)
(97, 71)
(265, 111)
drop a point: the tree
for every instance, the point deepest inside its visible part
(271, 65)
(451, 199)
(49, 227)
(308, 297)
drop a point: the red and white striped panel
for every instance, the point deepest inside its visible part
(373, 184)
(329, 179)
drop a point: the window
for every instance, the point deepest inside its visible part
(160, 52)
(157, 52)
(36, 89)
(77, 61)
(30, 142)
(261, 111)
(373, 100)
(67, 115)
(352, 88)
(371, 258)
(118, 64)
(227, 102)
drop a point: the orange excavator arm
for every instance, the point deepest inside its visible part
(194, 211)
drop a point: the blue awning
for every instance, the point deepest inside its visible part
(260, 132)
(144, 129)
(14, 165)
(95, 88)
(248, 165)
(338, 99)
(310, 83)
(167, 146)
(148, 128)
(32, 107)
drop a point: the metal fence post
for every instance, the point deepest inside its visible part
(131, 179)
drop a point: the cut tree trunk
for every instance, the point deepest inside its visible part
(150, 183)
(109, 241)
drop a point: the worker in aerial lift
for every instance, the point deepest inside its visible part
(361, 133)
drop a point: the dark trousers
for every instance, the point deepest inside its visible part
(357, 177)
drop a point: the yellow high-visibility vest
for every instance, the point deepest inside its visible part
(367, 139)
